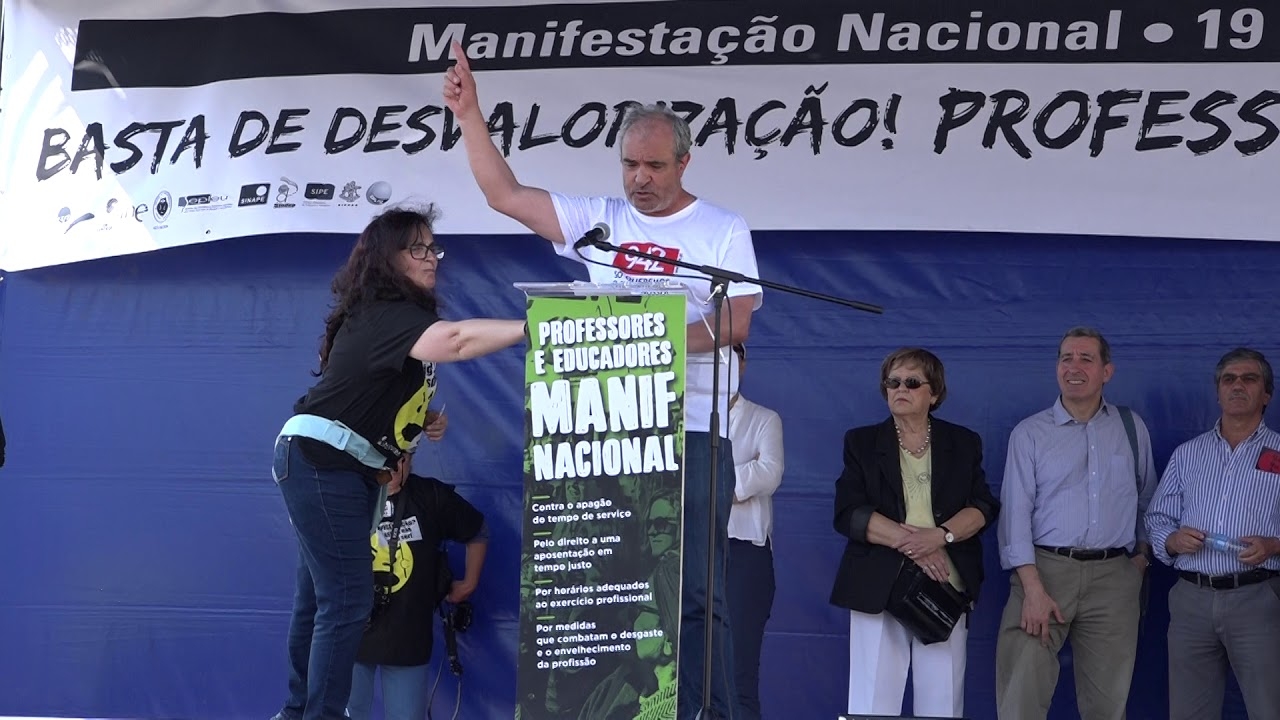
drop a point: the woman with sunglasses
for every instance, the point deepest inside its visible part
(360, 421)
(913, 491)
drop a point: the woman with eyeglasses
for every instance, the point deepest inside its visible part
(362, 420)
(912, 491)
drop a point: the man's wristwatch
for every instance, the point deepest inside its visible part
(947, 534)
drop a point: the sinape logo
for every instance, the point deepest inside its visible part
(255, 194)
(163, 206)
(379, 193)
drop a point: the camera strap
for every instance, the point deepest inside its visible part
(455, 667)
(451, 642)
(384, 581)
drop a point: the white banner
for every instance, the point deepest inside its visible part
(123, 131)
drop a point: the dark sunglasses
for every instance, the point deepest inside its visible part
(912, 383)
(418, 251)
(662, 524)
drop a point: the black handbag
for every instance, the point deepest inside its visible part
(927, 608)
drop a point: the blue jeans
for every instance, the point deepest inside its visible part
(404, 691)
(330, 511)
(693, 612)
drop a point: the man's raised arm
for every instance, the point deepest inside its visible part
(530, 206)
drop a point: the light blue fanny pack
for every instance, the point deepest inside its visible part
(338, 435)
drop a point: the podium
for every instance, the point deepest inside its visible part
(601, 549)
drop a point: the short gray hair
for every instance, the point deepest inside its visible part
(1104, 347)
(1242, 354)
(638, 114)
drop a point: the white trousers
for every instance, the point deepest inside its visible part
(881, 651)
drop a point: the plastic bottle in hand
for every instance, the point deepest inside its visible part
(1223, 543)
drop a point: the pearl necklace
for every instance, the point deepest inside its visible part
(928, 434)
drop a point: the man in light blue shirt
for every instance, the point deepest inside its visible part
(1077, 481)
(1216, 519)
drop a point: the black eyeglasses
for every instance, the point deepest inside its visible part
(912, 383)
(418, 251)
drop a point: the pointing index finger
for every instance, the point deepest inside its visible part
(463, 66)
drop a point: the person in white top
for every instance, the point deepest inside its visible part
(659, 216)
(756, 434)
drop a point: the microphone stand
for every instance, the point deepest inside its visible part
(720, 279)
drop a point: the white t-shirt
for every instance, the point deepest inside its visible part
(701, 234)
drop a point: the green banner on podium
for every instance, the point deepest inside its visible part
(603, 475)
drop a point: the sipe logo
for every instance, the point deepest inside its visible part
(644, 266)
(318, 191)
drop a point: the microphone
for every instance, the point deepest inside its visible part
(595, 234)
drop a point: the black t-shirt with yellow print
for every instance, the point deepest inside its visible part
(372, 385)
(402, 634)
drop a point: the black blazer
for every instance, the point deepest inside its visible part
(872, 482)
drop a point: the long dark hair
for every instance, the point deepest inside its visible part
(371, 272)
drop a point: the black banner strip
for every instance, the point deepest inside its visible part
(189, 52)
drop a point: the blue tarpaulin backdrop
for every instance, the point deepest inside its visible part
(148, 562)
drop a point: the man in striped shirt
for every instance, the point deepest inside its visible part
(1077, 481)
(1216, 519)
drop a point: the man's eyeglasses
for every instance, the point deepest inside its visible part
(418, 251)
(912, 383)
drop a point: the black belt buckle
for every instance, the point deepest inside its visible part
(1229, 582)
(1086, 554)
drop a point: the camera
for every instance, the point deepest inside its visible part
(383, 582)
(456, 618)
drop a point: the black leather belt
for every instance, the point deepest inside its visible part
(1228, 582)
(1086, 553)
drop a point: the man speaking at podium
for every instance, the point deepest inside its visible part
(660, 217)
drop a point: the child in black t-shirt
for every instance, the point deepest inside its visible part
(421, 513)
(353, 428)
